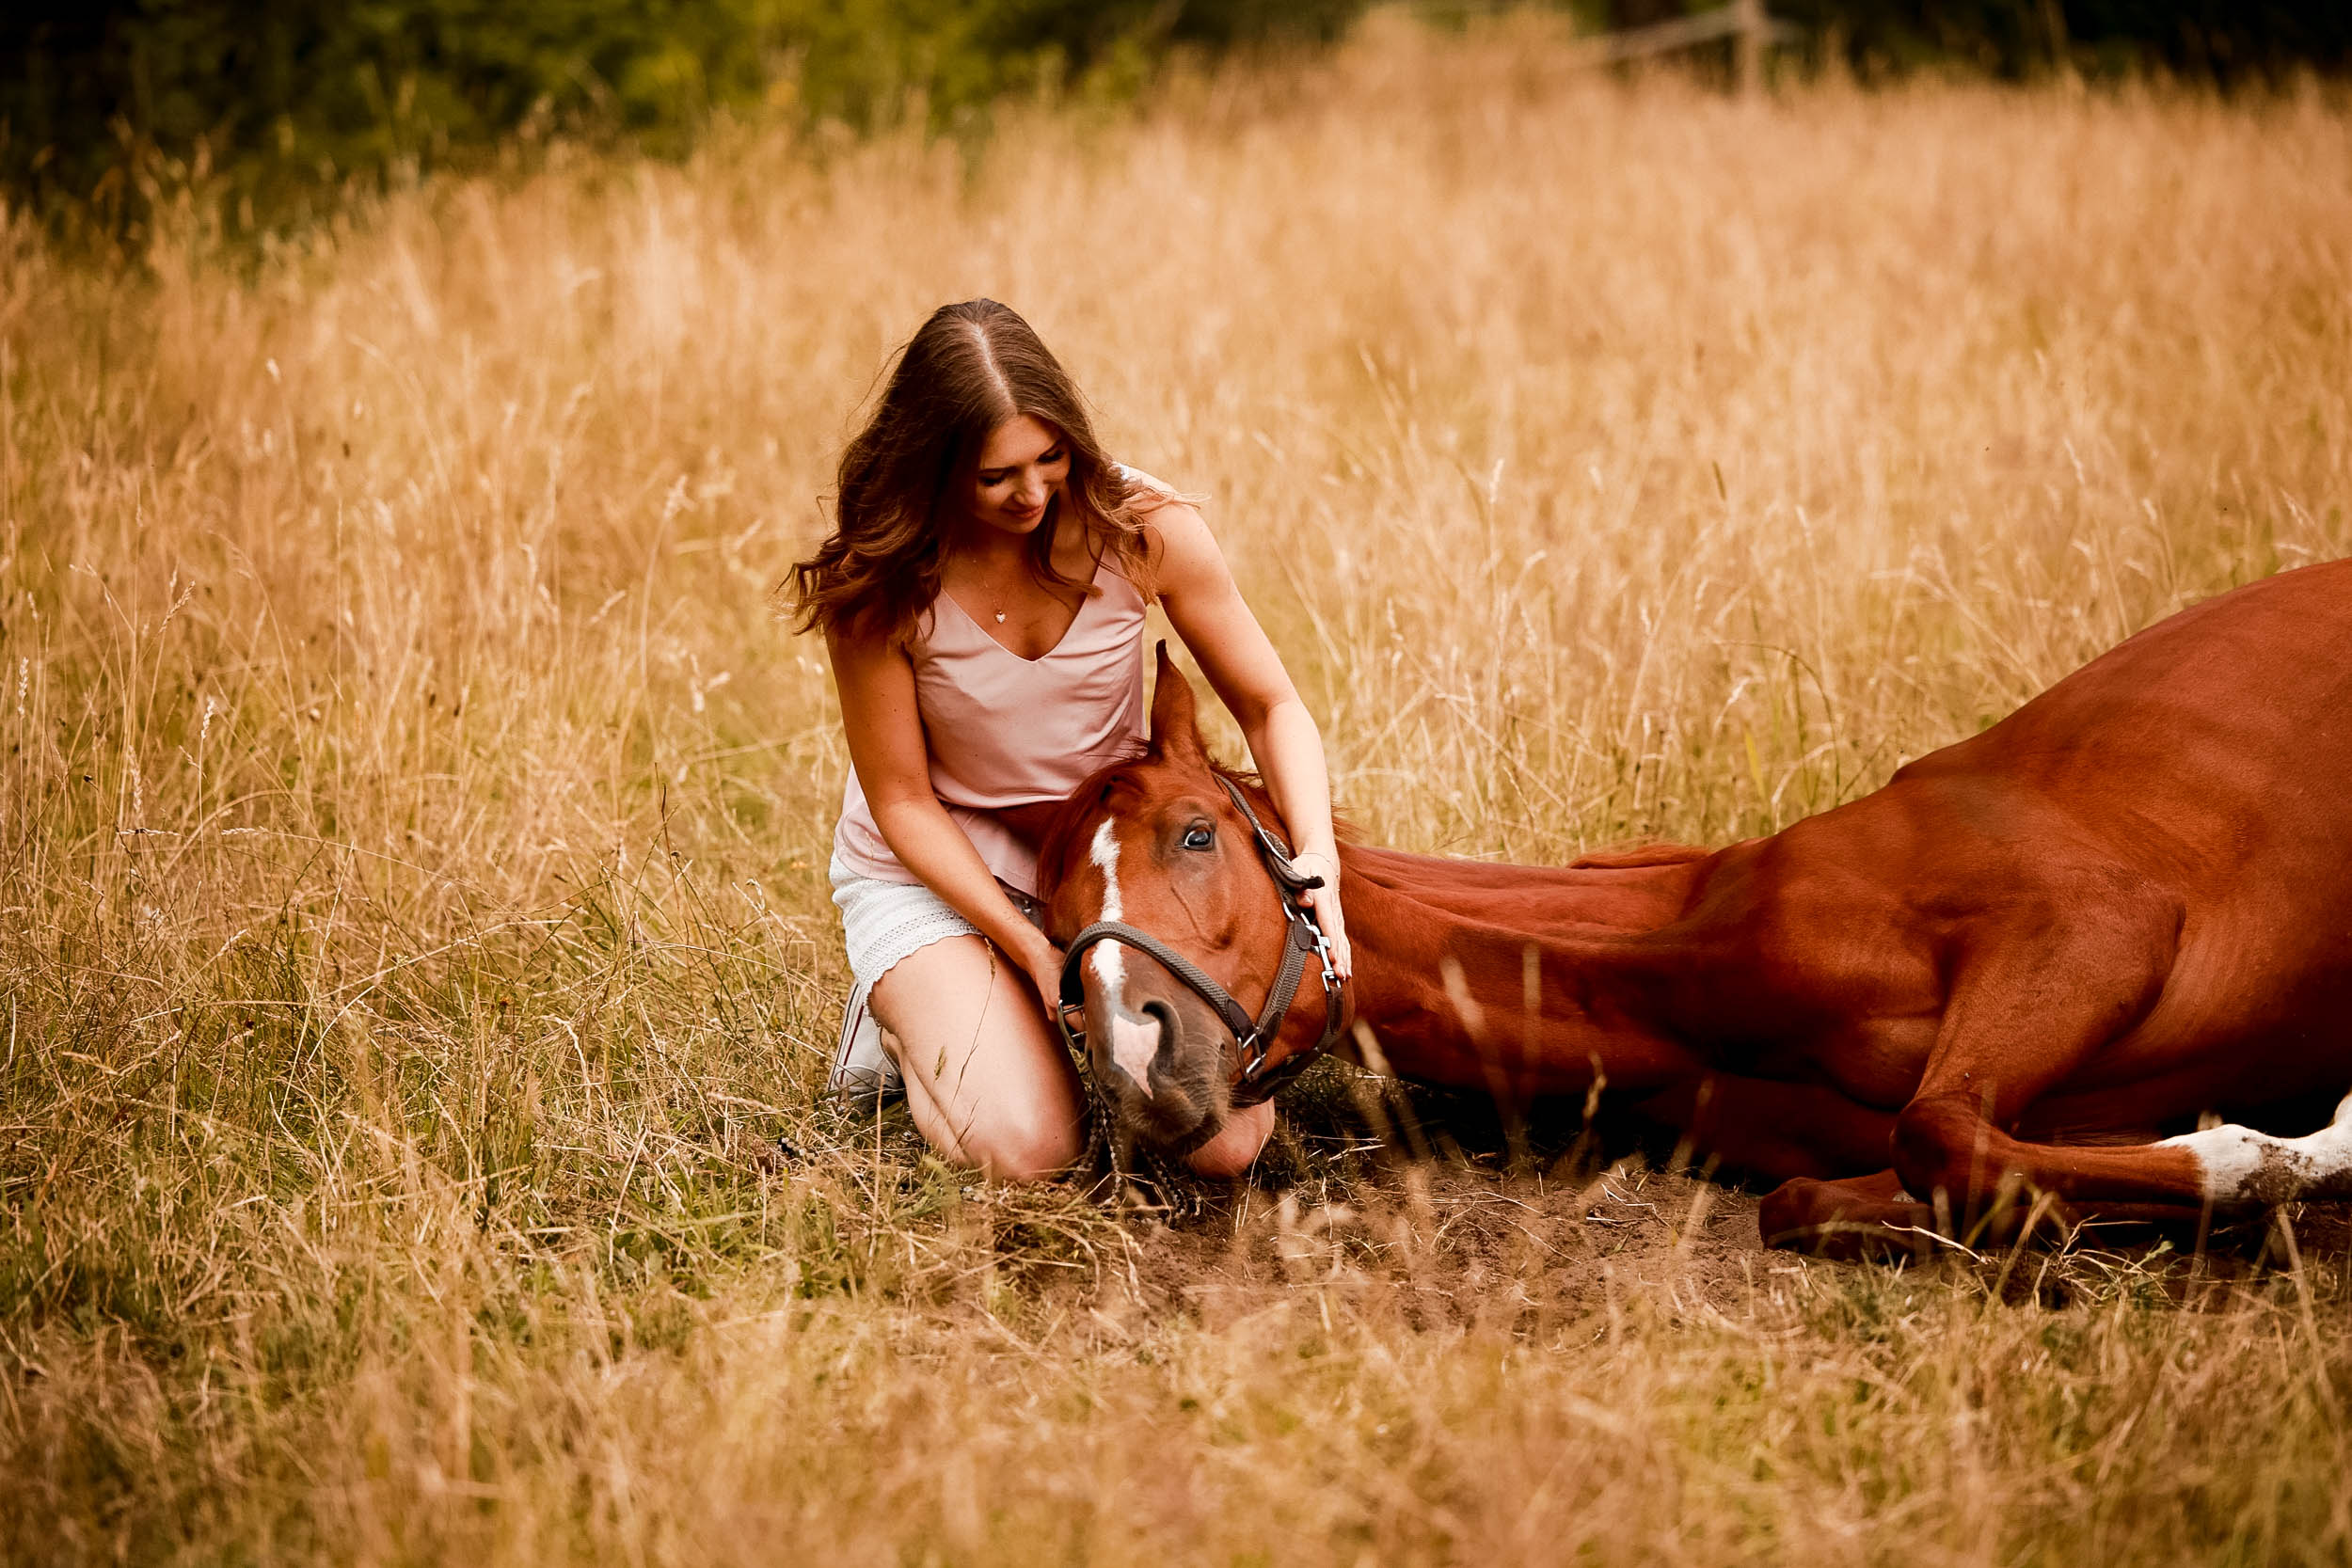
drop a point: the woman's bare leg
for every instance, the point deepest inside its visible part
(989, 1085)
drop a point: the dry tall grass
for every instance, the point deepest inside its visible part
(411, 899)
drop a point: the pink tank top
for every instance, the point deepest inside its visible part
(1006, 730)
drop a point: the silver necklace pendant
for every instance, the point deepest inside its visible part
(1000, 617)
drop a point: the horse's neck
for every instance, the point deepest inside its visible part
(1464, 971)
(1629, 890)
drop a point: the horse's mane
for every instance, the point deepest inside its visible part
(1491, 890)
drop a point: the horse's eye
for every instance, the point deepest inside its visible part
(1198, 836)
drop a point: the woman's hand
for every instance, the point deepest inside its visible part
(1043, 960)
(1325, 901)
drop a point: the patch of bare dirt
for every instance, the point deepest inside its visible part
(1433, 1210)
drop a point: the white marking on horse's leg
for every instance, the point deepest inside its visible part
(1133, 1044)
(2243, 1166)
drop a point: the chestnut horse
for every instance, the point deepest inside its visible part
(2048, 957)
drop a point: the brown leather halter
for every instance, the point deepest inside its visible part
(1252, 1037)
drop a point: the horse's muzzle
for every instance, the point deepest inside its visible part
(1164, 1074)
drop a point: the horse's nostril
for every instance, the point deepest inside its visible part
(1134, 1041)
(1165, 1016)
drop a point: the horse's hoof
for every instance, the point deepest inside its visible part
(1849, 1222)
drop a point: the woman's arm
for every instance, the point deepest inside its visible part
(885, 733)
(1197, 590)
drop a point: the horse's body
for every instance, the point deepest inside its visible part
(2026, 959)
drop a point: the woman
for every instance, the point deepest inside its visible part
(982, 598)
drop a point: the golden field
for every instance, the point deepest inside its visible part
(413, 823)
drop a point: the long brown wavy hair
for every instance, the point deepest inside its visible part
(970, 369)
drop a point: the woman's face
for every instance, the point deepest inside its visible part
(1022, 466)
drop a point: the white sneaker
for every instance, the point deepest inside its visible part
(864, 1077)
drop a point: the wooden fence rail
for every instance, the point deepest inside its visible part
(1744, 20)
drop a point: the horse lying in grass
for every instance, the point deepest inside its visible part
(2043, 961)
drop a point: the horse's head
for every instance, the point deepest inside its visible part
(1160, 847)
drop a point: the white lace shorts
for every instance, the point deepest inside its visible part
(883, 922)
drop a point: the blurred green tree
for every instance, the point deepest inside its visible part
(2230, 43)
(270, 107)
(277, 102)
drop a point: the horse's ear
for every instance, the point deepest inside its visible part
(1175, 720)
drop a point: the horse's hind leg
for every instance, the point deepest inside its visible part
(2044, 986)
(1945, 1150)
(2242, 1168)
(1946, 1146)
(1860, 1216)
(1874, 1216)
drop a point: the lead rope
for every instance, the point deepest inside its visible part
(1171, 1185)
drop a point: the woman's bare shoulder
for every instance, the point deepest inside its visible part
(870, 652)
(1183, 552)
(1154, 488)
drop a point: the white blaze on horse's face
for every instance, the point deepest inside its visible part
(1134, 1041)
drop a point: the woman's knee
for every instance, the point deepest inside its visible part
(1237, 1143)
(1024, 1143)
(992, 1087)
